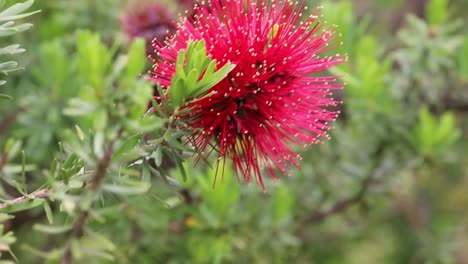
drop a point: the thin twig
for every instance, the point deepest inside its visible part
(9, 119)
(41, 193)
(340, 206)
(355, 199)
(95, 184)
(3, 159)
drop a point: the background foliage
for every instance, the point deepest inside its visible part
(105, 182)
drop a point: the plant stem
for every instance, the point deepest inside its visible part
(358, 197)
(41, 193)
(342, 205)
(10, 119)
(95, 184)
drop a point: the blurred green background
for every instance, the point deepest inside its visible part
(389, 187)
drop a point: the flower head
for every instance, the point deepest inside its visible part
(148, 21)
(278, 93)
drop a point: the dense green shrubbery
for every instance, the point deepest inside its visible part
(86, 170)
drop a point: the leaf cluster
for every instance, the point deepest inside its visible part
(9, 27)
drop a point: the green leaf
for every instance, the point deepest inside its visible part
(177, 93)
(432, 137)
(204, 64)
(158, 155)
(191, 64)
(9, 28)
(209, 71)
(282, 204)
(147, 124)
(75, 184)
(127, 187)
(437, 11)
(462, 60)
(136, 59)
(12, 49)
(54, 230)
(13, 169)
(102, 241)
(129, 144)
(176, 158)
(4, 96)
(95, 60)
(210, 79)
(192, 78)
(98, 144)
(180, 63)
(80, 133)
(13, 148)
(7, 262)
(48, 211)
(70, 161)
(13, 12)
(5, 217)
(22, 206)
(8, 66)
(427, 129)
(446, 126)
(78, 107)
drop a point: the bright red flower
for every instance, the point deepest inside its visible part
(277, 94)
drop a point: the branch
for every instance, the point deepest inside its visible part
(342, 205)
(41, 193)
(95, 184)
(9, 119)
(357, 198)
(3, 159)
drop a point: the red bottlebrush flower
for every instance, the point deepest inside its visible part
(277, 94)
(148, 21)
